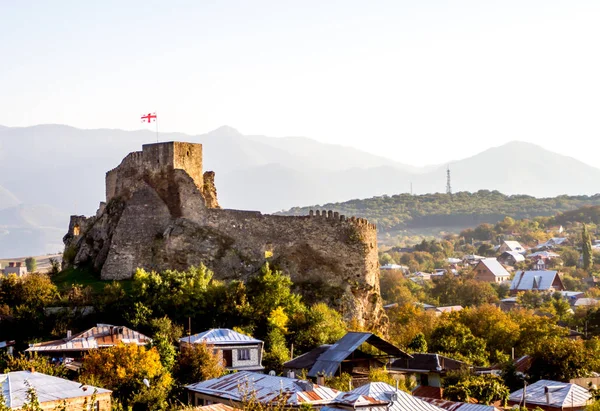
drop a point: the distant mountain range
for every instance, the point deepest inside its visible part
(48, 172)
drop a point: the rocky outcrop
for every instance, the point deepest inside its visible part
(162, 212)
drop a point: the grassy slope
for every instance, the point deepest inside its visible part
(84, 277)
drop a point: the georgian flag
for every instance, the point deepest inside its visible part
(149, 118)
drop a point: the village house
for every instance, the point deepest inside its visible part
(345, 356)
(552, 396)
(364, 398)
(100, 336)
(490, 270)
(543, 281)
(511, 246)
(241, 387)
(238, 389)
(389, 267)
(17, 268)
(429, 370)
(511, 258)
(472, 259)
(53, 392)
(552, 243)
(238, 351)
(441, 310)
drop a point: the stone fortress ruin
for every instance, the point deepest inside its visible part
(161, 212)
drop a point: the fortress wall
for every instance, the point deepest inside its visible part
(337, 252)
(348, 247)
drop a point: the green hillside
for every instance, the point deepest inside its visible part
(421, 213)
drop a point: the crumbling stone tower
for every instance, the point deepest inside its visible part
(161, 212)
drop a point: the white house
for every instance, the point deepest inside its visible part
(238, 351)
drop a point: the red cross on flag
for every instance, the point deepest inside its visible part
(148, 118)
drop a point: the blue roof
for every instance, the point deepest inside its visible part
(533, 280)
(220, 336)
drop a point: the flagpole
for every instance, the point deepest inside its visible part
(156, 121)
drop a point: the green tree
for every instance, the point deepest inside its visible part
(456, 340)
(32, 403)
(316, 326)
(26, 362)
(165, 335)
(418, 344)
(486, 389)
(560, 359)
(586, 249)
(31, 264)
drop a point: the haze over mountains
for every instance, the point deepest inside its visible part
(48, 172)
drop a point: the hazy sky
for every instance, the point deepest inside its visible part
(419, 81)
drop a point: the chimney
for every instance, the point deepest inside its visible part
(548, 395)
(19, 264)
(320, 379)
(32, 370)
(11, 264)
(68, 334)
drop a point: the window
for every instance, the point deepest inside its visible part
(243, 354)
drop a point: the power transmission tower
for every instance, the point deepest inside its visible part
(448, 185)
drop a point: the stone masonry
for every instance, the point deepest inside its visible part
(161, 212)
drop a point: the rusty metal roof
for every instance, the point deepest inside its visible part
(101, 336)
(329, 362)
(243, 385)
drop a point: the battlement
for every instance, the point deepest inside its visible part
(329, 214)
(155, 159)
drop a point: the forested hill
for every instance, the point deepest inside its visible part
(464, 209)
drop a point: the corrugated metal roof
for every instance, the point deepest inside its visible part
(561, 394)
(514, 246)
(543, 254)
(586, 301)
(47, 387)
(460, 406)
(328, 363)
(429, 362)
(220, 336)
(306, 360)
(101, 336)
(495, 267)
(533, 280)
(266, 388)
(216, 407)
(383, 392)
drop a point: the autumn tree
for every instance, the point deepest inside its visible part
(134, 373)
(198, 362)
